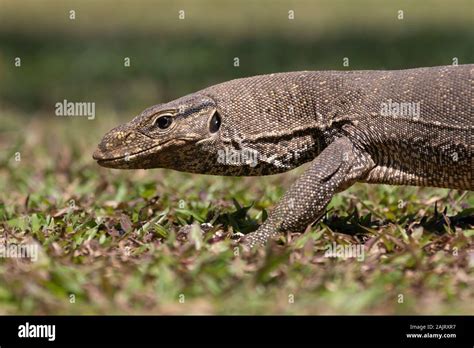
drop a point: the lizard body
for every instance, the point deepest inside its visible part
(405, 127)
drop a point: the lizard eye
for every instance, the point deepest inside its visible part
(163, 122)
(215, 123)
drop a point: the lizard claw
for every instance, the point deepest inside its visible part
(245, 242)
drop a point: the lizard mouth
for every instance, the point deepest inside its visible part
(113, 162)
(149, 157)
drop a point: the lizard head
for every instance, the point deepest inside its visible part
(176, 135)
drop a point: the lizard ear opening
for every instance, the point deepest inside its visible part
(215, 122)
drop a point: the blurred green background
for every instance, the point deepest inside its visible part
(83, 59)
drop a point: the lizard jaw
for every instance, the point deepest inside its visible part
(152, 156)
(125, 161)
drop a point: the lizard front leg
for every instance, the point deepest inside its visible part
(337, 167)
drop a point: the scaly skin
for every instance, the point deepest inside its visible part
(346, 123)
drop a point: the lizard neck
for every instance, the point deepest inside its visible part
(272, 123)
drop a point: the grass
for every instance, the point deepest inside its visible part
(159, 241)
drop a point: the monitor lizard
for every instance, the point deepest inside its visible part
(401, 127)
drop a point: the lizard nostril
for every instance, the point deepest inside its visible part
(129, 137)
